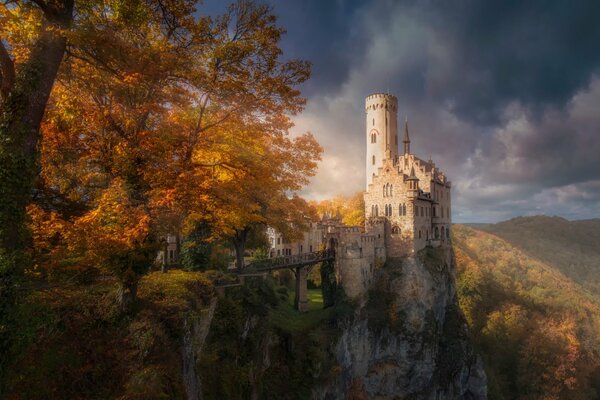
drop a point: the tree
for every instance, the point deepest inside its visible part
(160, 104)
(351, 210)
(26, 79)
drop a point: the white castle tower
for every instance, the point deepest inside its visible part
(382, 131)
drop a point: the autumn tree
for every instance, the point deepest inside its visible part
(152, 103)
(32, 45)
(350, 209)
(255, 176)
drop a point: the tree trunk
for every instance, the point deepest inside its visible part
(127, 294)
(164, 267)
(239, 244)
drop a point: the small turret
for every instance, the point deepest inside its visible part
(413, 184)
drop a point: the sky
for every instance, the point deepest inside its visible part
(503, 95)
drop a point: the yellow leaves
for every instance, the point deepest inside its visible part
(114, 225)
(132, 78)
(20, 24)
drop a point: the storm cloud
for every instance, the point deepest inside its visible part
(503, 95)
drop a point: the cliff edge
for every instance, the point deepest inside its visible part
(408, 338)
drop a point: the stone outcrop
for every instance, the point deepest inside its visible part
(408, 339)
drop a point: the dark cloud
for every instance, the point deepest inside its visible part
(322, 32)
(537, 52)
(503, 95)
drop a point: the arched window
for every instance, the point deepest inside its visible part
(419, 234)
(437, 232)
(391, 190)
(373, 138)
(390, 208)
(384, 191)
(443, 233)
(404, 209)
(448, 233)
(373, 160)
(373, 121)
(376, 210)
(395, 230)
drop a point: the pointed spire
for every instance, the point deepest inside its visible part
(406, 140)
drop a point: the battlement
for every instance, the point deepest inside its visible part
(381, 101)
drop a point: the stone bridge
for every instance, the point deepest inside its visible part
(300, 264)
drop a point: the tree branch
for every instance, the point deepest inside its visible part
(7, 68)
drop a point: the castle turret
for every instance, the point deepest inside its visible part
(413, 184)
(382, 131)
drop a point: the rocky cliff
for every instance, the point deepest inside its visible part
(408, 338)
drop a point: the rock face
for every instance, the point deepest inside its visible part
(408, 339)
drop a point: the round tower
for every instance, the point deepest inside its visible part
(382, 131)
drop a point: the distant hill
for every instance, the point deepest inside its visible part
(537, 327)
(573, 247)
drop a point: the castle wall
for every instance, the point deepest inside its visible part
(355, 260)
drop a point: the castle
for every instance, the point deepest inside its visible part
(407, 206)
(410, 194)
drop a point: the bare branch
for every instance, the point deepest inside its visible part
(7, 67)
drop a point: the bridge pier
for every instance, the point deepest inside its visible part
(301, 299)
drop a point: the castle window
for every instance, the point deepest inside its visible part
(376, 210)
(448, 211)
(416, 211)
(422, 211)
(443, 233)
(419, 234)
(373, 138)
(373, 160)
(437, 232)
(395, 230)
(373, 121)
(448, 233)
(404, 209)
(391, 190)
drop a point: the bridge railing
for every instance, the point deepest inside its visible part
(291, 260)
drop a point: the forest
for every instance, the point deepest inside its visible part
(123, 121)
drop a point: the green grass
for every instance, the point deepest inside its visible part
(287, 318)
